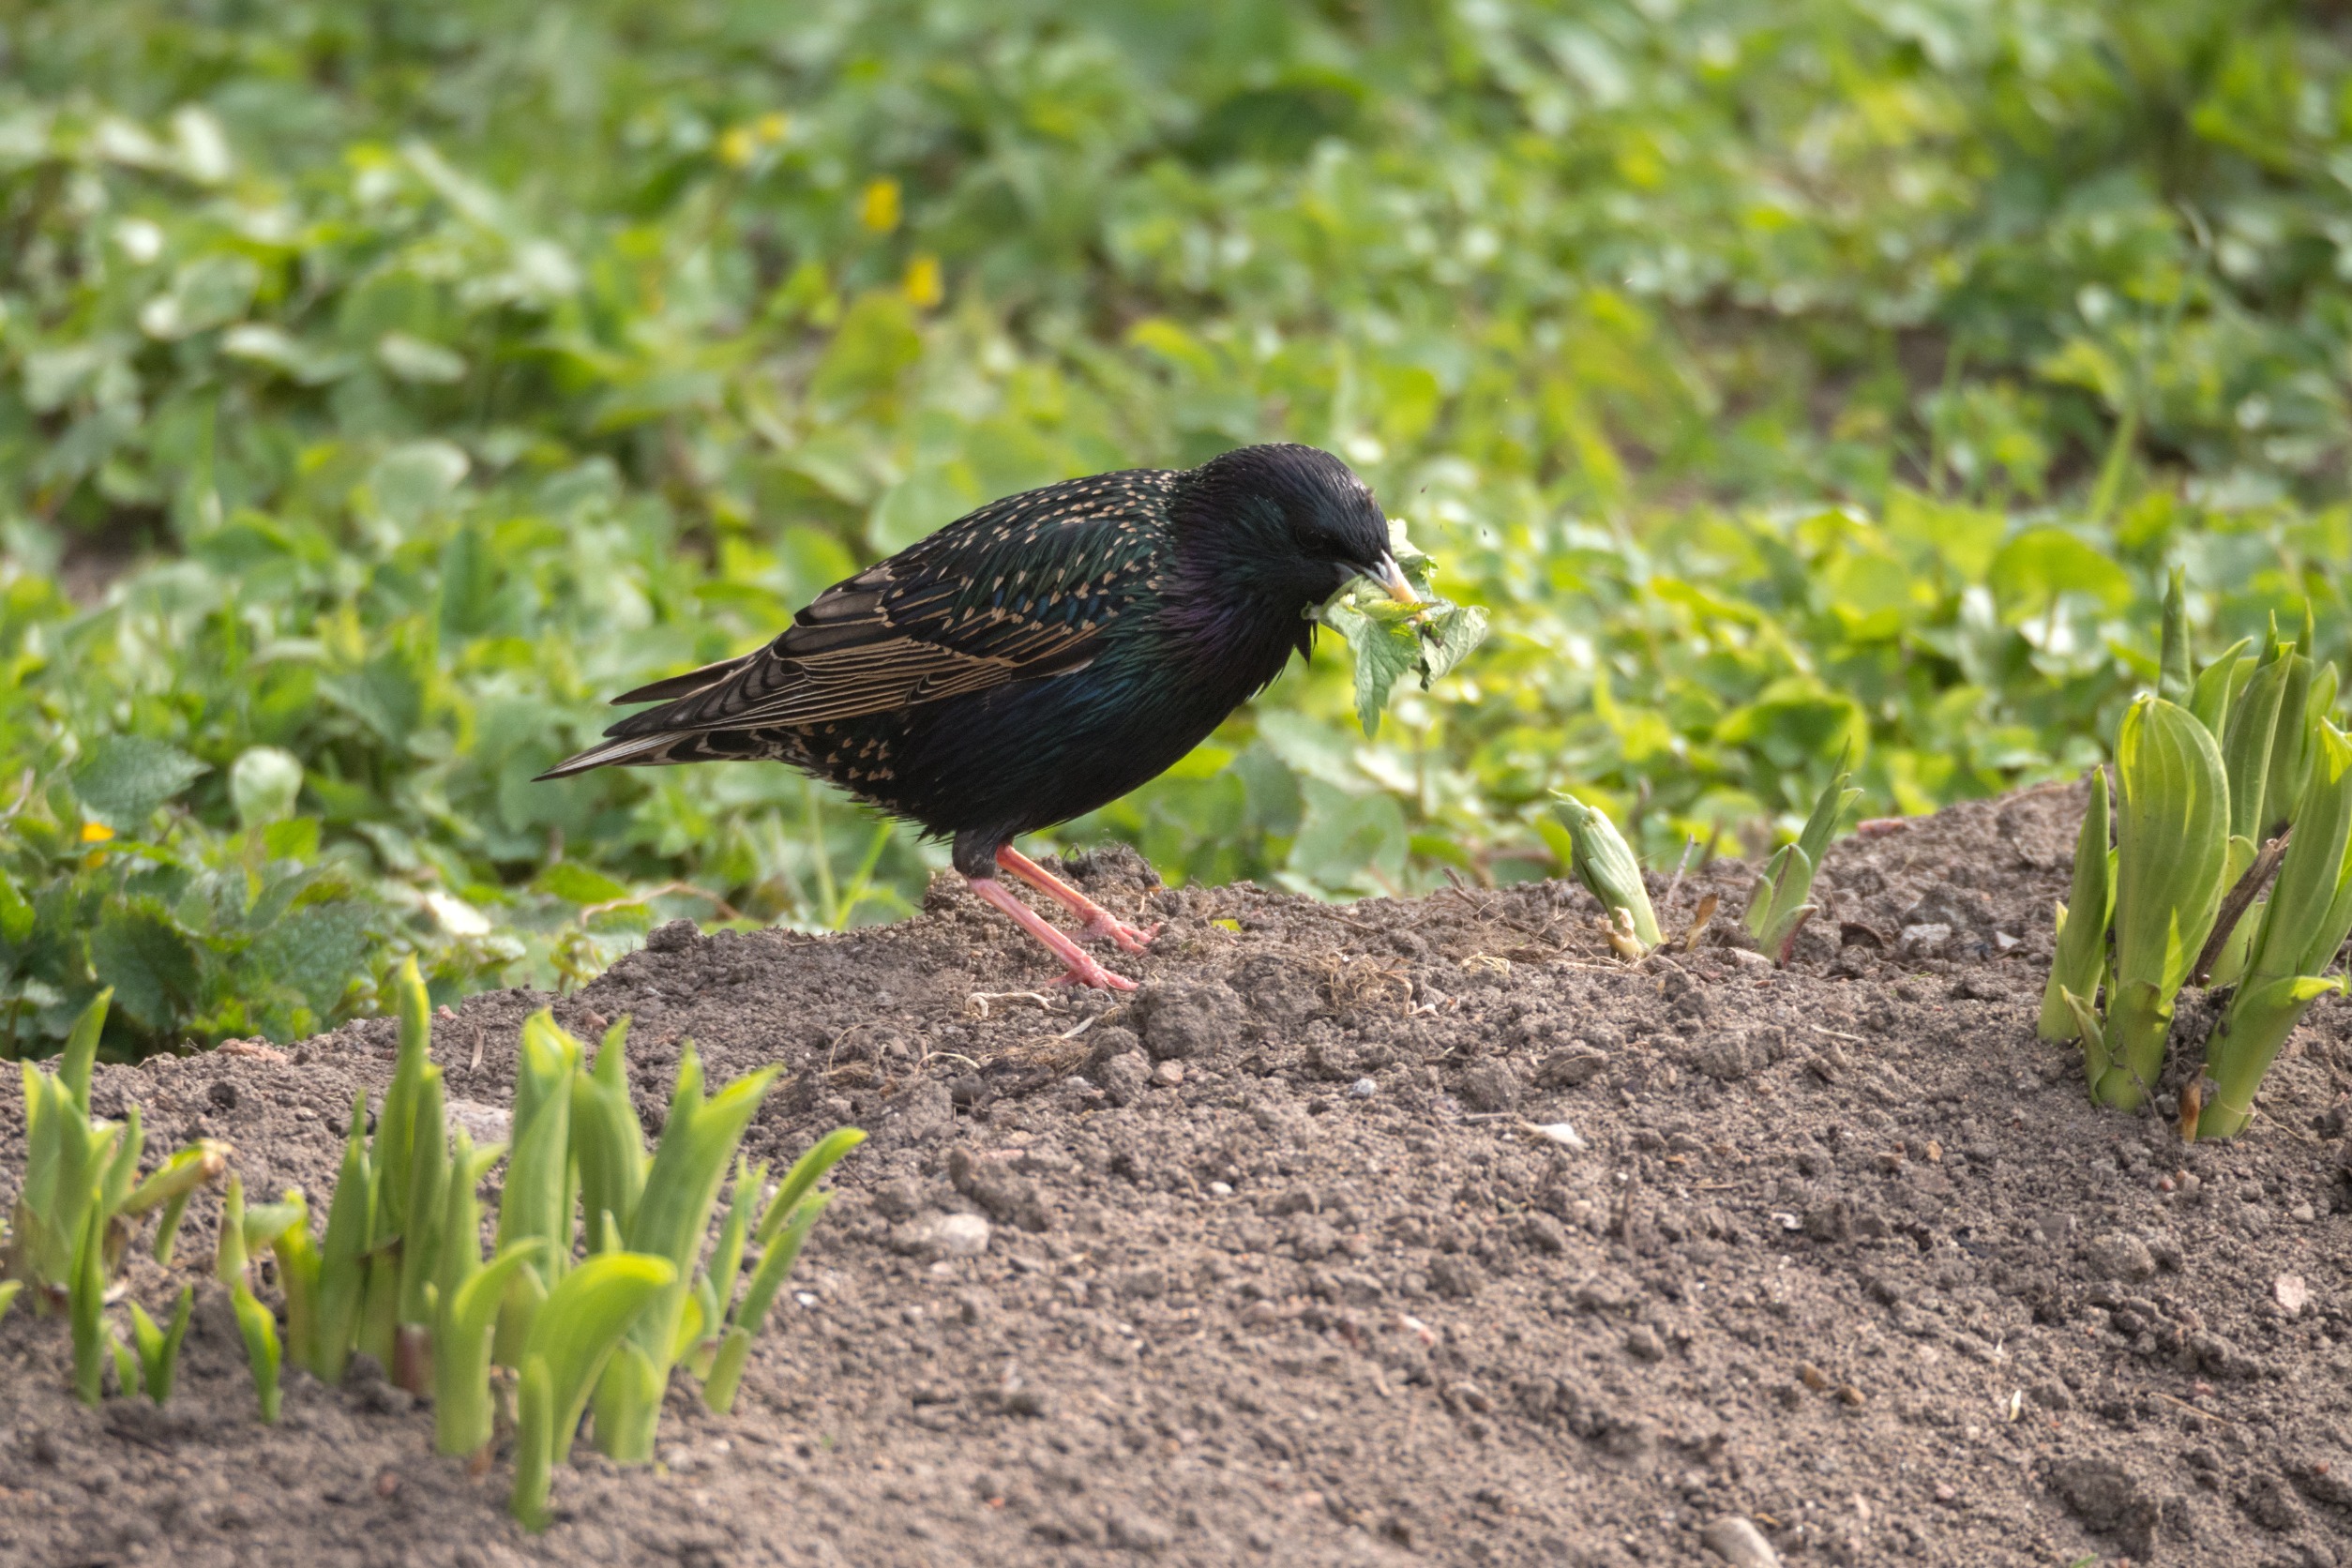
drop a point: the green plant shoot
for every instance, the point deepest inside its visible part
(1602, 862)
(158, 1348)
(783, 1226)
(674, 1214)
(536, 1203)
(2307, 918)
(467, 1300)
(66, 1156)
(342, 1271)
(2080, 960)
(256, 1324)
(573, 1335)
(1781, 901)
(607, 1145)
(86, 1309)
(2171, 840)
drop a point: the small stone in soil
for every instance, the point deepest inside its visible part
(1643, 1344)
(2120, 1255)
(1739, 1542)
(960, 1235)
(1125, 1076)
(1362, 1088)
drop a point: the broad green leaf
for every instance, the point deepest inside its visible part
(2172, 835)
(126, 776)
(583, 1320)
(2037, 566)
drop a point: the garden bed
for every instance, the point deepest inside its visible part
(1273, 1262)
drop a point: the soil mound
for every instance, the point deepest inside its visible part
(1412, 1231)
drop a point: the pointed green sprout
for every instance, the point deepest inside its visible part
(674, 1214)
(429, 1175)
(2217, 685)
(536, 1203)
(2173, 678)
(715, 1286)
(172, 1184)
(783, 1226)
(8, 1289)
(298, 1269)
(259, 1329)
(1781, 901)
(607, 1145)
(256, 1324)
(2171, 833)
(467, 1299)
(158, 1350)
(1600, 859)
(573, 1336)
(342, 1271)
(67, 1156)
(534, 1441)
(86, 1309)
(2081, 958)
(409, 1157)
(2306, 921)
(2266, 749)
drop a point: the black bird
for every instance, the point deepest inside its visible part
(1037, 658)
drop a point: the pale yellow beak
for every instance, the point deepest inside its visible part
(1392, 577)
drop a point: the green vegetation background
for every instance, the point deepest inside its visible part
(382, 385)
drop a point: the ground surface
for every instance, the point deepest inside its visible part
(1276, 1269)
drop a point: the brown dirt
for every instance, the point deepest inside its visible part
(1277, 1270)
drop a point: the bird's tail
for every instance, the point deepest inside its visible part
(638, 751)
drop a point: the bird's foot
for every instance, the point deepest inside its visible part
(1100, 922)
(1084, 971)
(1130, 939)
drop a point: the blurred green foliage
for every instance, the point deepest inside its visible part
(380, 387)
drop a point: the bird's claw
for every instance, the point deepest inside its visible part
(1084, 971)
(1129, 938)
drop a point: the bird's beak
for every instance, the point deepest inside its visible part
(1392, 577)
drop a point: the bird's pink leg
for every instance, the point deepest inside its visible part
(1083, 970)
(1100, 922)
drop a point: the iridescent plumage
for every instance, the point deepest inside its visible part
(1035, 659)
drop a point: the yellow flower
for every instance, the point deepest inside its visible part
(736, 147)
(922, 284)
(878, 209)
(96, 833)
(772, 126)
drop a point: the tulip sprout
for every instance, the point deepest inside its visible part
(2081, 958)
(2246, 779)
(1780, 903)
(2307, 918)
(72, 1218)
(609, 1328)
(1599, 857)
(400, 1268)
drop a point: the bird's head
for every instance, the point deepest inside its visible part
(1289, 523)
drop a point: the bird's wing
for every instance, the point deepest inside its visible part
(1020, 589)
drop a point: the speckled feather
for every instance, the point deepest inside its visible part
(1038, 658)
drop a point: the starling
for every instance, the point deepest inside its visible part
(1037, 659)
